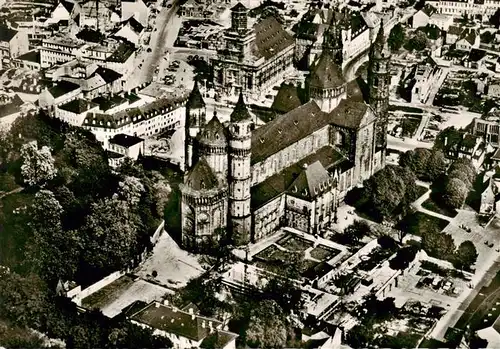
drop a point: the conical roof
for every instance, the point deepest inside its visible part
(201, 177)
(195, 99)
(214, 133)
(380, 47)
(240, 111)
(326, 73)
(311, 182)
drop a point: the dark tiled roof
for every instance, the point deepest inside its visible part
(280, 182)
(496, 155)
(454, 30)
(108, 75)
(270, 38)
(239, 7)
(134, 24)
(78, 106)
(429, 10)
(126, 141)
(106, 103)
(307, 30)
(312, 181)
(62, 87)
(218, 339)
(31, 56)
(122, 53)
(175, 321)
(201, 177)
(6, 34)
(12, 107)
(476, 55)
(68, 5)
(326, 73)
(240, 111)
(287, 99)
(213, 134)
(302, 121)
(195, 99)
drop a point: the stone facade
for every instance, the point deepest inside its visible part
(292, 171)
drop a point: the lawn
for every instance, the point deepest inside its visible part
(410, 125)
(14, 232)
(322, 254)
(293, 243)
(417, 223)
(434, 206)
(107, 294)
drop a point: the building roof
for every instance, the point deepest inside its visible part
(239, 7)
(106, 103)
(240, 111)
(78, 106)
(326, 73)
(62, 87)
(454, 30)
(134, 24)
(476, 55)
(469, 35)
(311, 182)
(125, 141)
(6, 34)
(429, 10)
(67, 5)
(270, 38)
(380, 48)
(287, 99)
(496, 155)
(201, 177)
(122, 53)
(280, 182)
(302, 121)
(11, 108)
(176, 322)
(219, 339)
(213, 134)
(195, 99)
(31, 56)
(108, 75)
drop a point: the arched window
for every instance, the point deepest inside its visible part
(340, 140)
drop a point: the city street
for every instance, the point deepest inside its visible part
(162, 37)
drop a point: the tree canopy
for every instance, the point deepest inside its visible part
(455, 193)
(465, 255)
(37, 164)
(396, 37)
(267, 327)
(439, 245)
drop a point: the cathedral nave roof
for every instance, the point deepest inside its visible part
(312, 181)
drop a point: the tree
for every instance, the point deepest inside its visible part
(267, 327)
(357, 230)
(438, 245)
(455, 193)
(360, 336)
(130, 190)
(465, 256)
(53, 253)
(487, 37)
(162, 192)
(403, 258)
(23, 299)
(436, 165)
(109, 235)
(416, 160)
(447, 138)
(37, 164)
(464, 169)
(418, 42)
(396, 37)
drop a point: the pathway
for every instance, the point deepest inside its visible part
(418, 206)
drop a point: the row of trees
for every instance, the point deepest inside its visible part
(427, 164)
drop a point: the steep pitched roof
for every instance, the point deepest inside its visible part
(326, 73)
(270, 38)
(380, 48)
(312, 181)
(67, 5)
(126, 141)
(454, 30)
(429, 10)
(213, 134)
(78, 106)
(240, 111)
(287, 99)
(201, 177)
(108, 75)
(239, 7)
(195, 99)
(302, 121)
(62, 87)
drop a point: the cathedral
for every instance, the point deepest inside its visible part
(293, 171)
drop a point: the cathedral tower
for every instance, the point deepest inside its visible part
(195, 120)
(212, 142)
(379, 81)
(240, 142)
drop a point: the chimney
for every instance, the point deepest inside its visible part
(210, 326)
(193, 317)
(304, 166)
(191, 311)
(157, 305)
(165, 302)
(203, 324)
(445, 141)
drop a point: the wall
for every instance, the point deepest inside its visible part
(97, 286)
(157, 233)
(268, 217)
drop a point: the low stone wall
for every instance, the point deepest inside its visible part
(97, 286)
